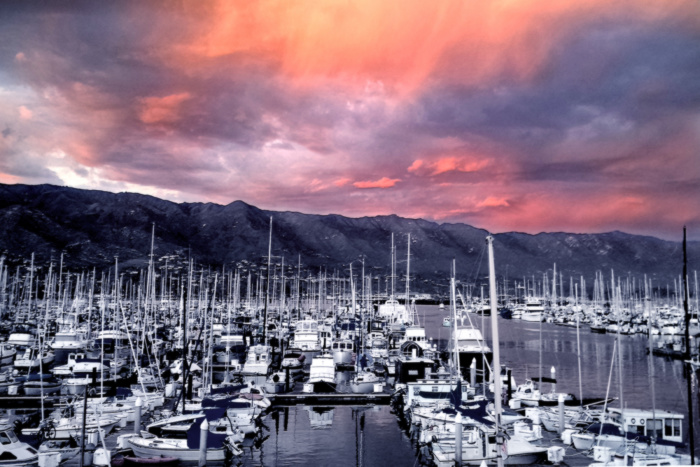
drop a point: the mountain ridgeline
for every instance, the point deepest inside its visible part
(92, 227)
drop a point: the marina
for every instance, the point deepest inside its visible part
(202, 379)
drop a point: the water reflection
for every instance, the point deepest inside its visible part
(320, 417)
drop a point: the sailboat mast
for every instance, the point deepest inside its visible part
(496, 369)
(453, 304)
(688, 371)
(267, 290)
(393, 264)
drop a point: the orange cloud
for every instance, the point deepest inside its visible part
(383, 182)
(448, 164)
(162, 109)
(493, 202)
(401, 42)
(341, 182)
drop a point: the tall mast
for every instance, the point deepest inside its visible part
(688, 372)
(408, 269)
(267, 290)
(393, 264)
(496, 369)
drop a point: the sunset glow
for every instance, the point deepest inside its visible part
(506, 115)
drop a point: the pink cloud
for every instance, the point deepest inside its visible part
(25, 113)
(162, 109)
(341, 182)
(417, 164)
(383, 182)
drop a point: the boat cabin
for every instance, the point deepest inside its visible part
(669, 425)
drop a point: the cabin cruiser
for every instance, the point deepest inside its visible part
(29, 360)
(642, 425)
(343, 352)
(306, 336)
(471, 347)
(394, 313)
(322, 374)
(13, 452)
(257, 364)
(533, 310)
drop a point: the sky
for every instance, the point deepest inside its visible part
(564, 115)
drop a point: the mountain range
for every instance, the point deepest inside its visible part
(91, 227)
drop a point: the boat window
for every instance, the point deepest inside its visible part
(650, 428)
(7, 456)
(672, 427)
(4, 439)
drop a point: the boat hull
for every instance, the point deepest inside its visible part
(156, 448)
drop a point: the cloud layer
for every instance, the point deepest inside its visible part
(530, 116)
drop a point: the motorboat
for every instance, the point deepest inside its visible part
(322, 374)
(179, 437)
(41, 385)
(257, 364)
(343, 351)
(365, 382)
(293, 360)
(29, 360)
(306, 336)
(14, 452)
(277, 383)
